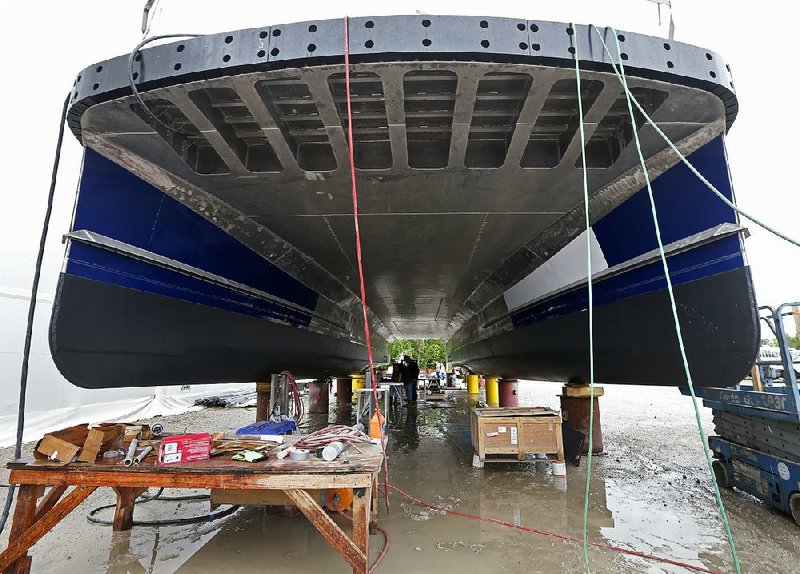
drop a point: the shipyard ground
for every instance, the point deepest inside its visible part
(649, 492)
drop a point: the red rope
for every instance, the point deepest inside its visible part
(564, 537)
(385, 548)
(358, 244)
(299, 410)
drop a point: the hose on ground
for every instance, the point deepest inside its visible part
(91, 516)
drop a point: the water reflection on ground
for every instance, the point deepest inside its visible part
(648, 492)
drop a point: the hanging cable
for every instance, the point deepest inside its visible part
(298, 410)
(37, 273)
(673, 305)
(574, 41)
(362, 283)
(132, 82)
(682, 157)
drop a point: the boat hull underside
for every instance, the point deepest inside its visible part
(106, 336)
(635, 336)
(217, 244)
(120, 337)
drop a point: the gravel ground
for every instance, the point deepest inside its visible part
(650, 491)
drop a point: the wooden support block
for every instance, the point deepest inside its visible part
(18, 547)
(263, 406)
(56, 448)
(126, 501)
(348, 549)
(582, 391)
(101, 438)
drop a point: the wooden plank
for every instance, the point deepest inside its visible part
(256, 496)
(541, 436)
(368, 458)
(560, 442)
(373, 515)
(18, 548)
(514, 411)
(361, 519)
(49, 501)
(755, 374)
(501, 442)
(55, 449)
(582, 391)
(24, 513)
(346, 548)
(123, 513)
(158, 478)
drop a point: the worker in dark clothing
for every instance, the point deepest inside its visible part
(409, 374)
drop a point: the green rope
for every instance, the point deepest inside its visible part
(673, 305)
(574, 41)
(688, 164)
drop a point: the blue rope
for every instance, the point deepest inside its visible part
(574, 42)
(673, 305)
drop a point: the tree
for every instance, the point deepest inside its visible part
(793, 340)
(427, 352)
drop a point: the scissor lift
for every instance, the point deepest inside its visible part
(758, 425)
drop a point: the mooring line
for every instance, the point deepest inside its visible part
(574, 41)
(670, 290)
(682, 157)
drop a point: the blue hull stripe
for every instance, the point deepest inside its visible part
(703, 261)
(116, 203)
(96, 263)
(685, 207)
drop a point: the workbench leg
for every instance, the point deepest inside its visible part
(373, 515)
(24, 512)
(362, 499)
(126, 500)
(49, 501)
(14, 558)
(347, 548)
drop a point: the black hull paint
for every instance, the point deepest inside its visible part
(634, 339)
(105, 336)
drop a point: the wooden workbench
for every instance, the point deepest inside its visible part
(37, 511)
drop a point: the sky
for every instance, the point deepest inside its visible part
(45, 44)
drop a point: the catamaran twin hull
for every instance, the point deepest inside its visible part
(223, 249)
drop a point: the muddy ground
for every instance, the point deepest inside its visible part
(650, 492)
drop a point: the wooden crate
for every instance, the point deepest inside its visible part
(513, 433)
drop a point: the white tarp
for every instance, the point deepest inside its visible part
(52, 402)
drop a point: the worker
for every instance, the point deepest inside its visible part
(409, 375)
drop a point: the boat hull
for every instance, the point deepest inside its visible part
(216, 243)
(105, 335)
(635, 339)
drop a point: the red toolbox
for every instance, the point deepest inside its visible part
(184, 448)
